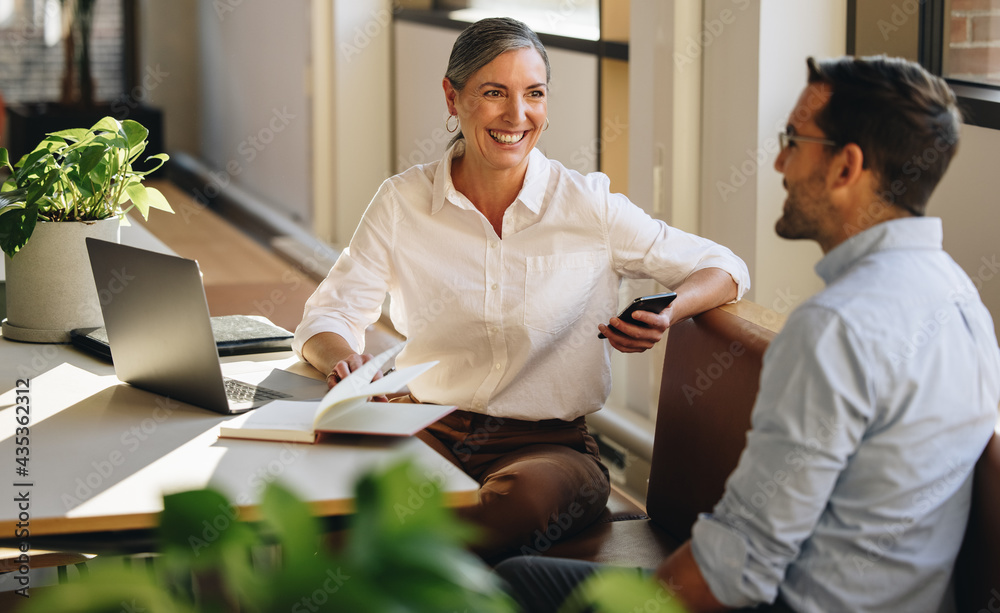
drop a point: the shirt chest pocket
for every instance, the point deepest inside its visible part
(557, 288)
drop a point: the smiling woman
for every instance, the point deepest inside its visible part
(524, 258)
(502, 110)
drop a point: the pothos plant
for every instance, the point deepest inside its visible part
(78, 175)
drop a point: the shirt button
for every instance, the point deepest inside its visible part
(494, 286)
(493, 244)
(498, 366)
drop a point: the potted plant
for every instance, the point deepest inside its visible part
(74, 184)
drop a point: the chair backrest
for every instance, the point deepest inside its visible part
(711, 373)
(977, 572)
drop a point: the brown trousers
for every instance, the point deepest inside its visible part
(541, 481)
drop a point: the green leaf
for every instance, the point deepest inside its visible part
(16, 226)
(90, 157)
(198, 526)
(292, 523)
(72, 135)
(13, 198)
(620, 589)
(161, 157)
(106, 124)
(135, 132)
(140, 198)
(157, 200)
(5, 160)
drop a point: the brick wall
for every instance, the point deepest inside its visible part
(31, 71)
(974, 49)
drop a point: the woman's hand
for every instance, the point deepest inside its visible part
(630, 338)
(345, 367)
(702, 290)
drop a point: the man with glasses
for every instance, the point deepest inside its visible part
(879, 394)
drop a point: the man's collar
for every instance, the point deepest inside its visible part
(904, 233)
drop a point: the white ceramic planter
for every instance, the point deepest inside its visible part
(50, 287)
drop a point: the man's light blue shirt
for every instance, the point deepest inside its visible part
(876, 400)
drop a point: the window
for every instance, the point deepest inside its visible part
(572, 18)
(957, 39)
(971, 41)
(32, 52)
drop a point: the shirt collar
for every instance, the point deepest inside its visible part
(532, 192)
(906, 233)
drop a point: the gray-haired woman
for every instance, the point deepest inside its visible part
(504, 266)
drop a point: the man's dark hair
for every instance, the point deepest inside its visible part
(904, 119)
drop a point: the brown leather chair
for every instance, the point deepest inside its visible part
(709, 383)
(977, 572)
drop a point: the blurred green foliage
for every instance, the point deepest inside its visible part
(397, 557)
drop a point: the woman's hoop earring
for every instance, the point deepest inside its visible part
(546, 124)
(447, 124)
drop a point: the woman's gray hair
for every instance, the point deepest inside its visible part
(481, 43)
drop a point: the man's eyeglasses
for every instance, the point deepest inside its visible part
(785, 139)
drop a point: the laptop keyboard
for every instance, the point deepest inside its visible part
(238, 391)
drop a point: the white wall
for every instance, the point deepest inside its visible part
(361, 108)
(169, 70)
(790, 31)
(754, 69)
(255, 127)
(966, 202)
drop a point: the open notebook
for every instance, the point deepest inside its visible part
(344, 409)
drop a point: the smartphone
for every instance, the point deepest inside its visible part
(654, 304)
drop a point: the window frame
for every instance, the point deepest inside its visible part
(980, 103)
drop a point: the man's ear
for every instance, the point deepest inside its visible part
(848, 166)
(450, 93)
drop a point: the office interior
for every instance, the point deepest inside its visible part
(286, 117)
(289, 115)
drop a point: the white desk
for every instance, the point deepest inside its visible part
(102, 454)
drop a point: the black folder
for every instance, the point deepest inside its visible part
(234, 335)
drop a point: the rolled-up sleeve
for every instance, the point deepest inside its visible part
(351, 297)
(809, 418)
(648, 247)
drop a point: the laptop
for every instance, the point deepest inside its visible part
(158, 325)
